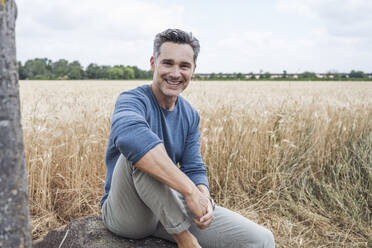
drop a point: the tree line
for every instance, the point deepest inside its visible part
(46, 69)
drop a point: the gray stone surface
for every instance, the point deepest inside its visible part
(90, 232)
(14, 211)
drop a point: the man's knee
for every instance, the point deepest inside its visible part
(259, 238)
(265, 238)
(134, 225)
(143, 232)
(139, 232)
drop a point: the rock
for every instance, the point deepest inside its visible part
(90, 232)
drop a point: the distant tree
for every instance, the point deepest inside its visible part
(75, 71)
(92, 71)
(116, 72)
(38, 66)
(196, 76)
(60, 69)
(307, 75)
(128, 73)
(337, 76)
(21, 71)
(334, 75)
(266, 75)
(357, 74)
(148, 74)
(252, 76)
(284, 74)
(240, 76)
(328, 76)
(137, 72)
(40, 77)
(344, 76)
(104, 72)
(63, 70)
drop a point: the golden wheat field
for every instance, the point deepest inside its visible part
(295, 157)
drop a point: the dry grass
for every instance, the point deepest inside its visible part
(293, 156)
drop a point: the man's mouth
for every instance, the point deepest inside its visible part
(175, 83)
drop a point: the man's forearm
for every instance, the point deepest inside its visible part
(157, 164)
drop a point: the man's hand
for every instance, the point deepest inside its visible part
(206, 220)
(197, 203)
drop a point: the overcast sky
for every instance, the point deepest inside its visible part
(235, 36)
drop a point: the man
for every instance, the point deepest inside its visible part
(152, 130)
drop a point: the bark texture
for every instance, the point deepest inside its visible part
(14, 210)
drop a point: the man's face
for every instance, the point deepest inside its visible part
(173, 68)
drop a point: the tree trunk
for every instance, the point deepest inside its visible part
(14, 211)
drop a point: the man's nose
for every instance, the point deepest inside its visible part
(175, 73)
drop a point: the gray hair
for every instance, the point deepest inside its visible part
(176, 36)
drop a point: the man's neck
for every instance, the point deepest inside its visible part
(166, 102)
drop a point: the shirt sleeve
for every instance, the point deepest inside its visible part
(191, 162)
(130, 131)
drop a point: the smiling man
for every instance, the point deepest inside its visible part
(153, 129)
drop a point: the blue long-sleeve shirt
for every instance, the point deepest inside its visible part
(139, 123)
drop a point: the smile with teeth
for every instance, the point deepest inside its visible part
(173, 82)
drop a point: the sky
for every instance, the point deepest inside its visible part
(235, 36)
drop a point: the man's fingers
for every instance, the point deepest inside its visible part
(201, 222)
(207, 223)
(208, 214)
(206, 217)
(203, 225)
(206, 220)
(198, 204)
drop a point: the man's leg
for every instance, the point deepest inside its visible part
(228, 229)
(137, 202)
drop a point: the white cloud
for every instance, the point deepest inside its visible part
(88, 30)
(246, 51)
(340, 17)
(293, 35)
(340, 34)
(254, 51)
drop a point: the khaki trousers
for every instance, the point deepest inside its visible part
(139, 206)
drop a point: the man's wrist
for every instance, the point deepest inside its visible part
(203, 189)
(212, 202)
(190, 190)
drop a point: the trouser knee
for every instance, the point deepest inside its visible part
(267, 238)
(135, 233)
(262, 238)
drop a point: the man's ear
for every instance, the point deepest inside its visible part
(193, 71)
(152, 63)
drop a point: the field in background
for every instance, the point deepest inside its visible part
(295, 157)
